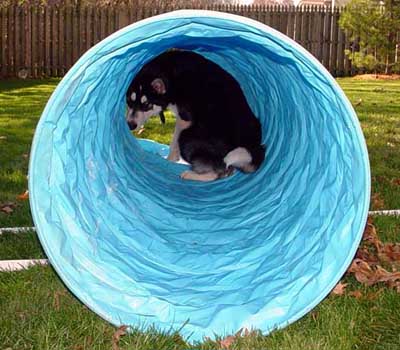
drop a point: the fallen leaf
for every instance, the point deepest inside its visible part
(396, 182)
(364, 254)
(339, 289)
(56, 299)
(121, 331)
(356, 294)
(25, 155)
(377, 201)
(8, 207)
(358, 102)
(23, 196)
(365, 274)
(390, 252)
(361, 270)
(229, 340)
(382, 275)
(395, 285)
(3, 137)
(370, 234)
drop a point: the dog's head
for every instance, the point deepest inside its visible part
(146, 97)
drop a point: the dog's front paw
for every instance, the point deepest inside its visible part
(173, 157)
(187, 175)
(191, 175)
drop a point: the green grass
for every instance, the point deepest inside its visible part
(38, 312)
(379, 114)
(21, 103)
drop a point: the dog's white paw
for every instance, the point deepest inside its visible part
(186, 175)
(191, 175)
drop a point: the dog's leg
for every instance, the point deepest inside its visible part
(191, 175)
(240, 158)
(174, 152)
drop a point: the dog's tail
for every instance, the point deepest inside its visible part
(246, 159)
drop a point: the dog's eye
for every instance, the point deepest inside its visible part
(147, 106)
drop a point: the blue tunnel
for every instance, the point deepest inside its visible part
(140, 246)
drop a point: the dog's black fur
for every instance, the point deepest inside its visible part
(215, 118)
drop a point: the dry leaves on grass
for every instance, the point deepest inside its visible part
(390, 252)
(228, 341)
(121, 331)
(386, 252)
(339, 289)
(375, 262)
(23, 196)
(356, 294)
(7, 207)
(367, 256)
(377, 201)
(367, 266)
(368, 275)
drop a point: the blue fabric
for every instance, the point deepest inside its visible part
(140, 246)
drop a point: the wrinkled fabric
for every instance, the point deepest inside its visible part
(141, 247)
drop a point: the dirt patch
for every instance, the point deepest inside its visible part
(377, 77)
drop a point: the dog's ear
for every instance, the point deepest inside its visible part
(159, 86)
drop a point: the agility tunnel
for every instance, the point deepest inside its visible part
(140, 246)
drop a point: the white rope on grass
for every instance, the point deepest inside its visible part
(17, 265)
(16, 229)
(394, 212)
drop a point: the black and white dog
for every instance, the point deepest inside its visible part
(215, 129)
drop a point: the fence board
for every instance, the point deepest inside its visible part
(41, 42)
(319, 34)
(19, 47)
(34, 38)
(47, 40)
(10, 39)
(61, 41)
(298, 25)
(54, 41)
(284, 19)
(334, 45)
(290, 23)
(326, 39)
(3, 69)
(341, 55)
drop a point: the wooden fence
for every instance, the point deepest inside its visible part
(47, 40)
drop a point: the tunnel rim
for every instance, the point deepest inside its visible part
(192, 14)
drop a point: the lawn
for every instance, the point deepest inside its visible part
(38, 312)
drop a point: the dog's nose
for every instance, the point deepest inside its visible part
(132, 125)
